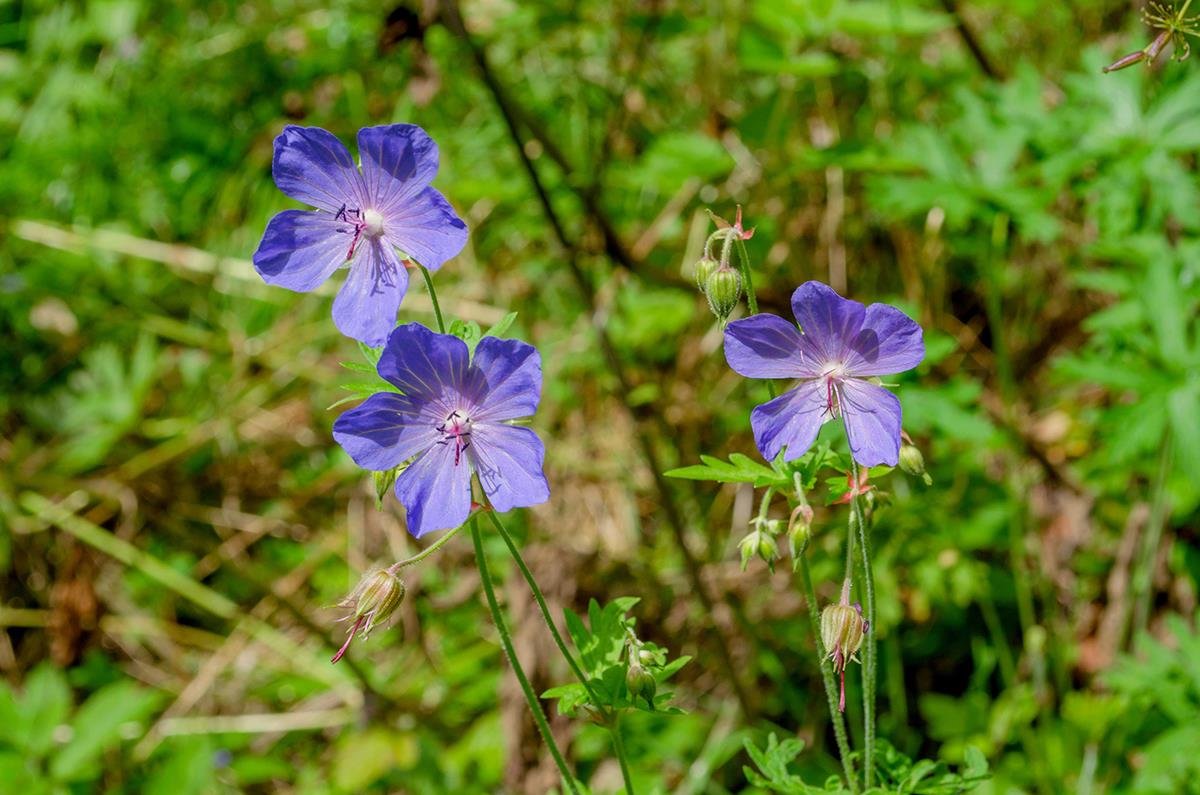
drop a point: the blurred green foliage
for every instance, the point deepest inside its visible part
(1037, 603)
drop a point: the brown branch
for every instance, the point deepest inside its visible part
(619, 255)
(972, 41)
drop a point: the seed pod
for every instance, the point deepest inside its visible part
(723, 289)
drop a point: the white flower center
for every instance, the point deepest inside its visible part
(372, 223)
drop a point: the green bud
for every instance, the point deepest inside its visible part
(646, 657)
(748, 546)
(705, 267)
(768, 550)
(798, 535)
(640, 682)
(913, 462)
(723, 288)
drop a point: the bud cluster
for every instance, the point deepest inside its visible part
(639, 676)
(760, 541)
(716, 278)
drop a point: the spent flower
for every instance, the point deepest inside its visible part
(451, 419)
(842, 631)
(362, 218)
(839, 348)
(372, 601)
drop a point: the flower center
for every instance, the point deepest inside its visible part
(833, 376)
(372, 223)
(361, 222)
(456, 430)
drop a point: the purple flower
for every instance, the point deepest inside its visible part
(362, 217)
(839, 345)
(451, 419)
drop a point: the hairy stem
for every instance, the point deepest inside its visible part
(535, 707)
(614, 729)
(424, 553)
(831, 688)
(869, 656)
(545, 610)
(751, 298)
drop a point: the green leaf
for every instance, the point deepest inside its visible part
(501, 326)
(111, 713)
(740, 469)
(46, 703)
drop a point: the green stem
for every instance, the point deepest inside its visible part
(1143, 579)
(437, 309)
(869, 657)
(611, 718)
(614, 729)
(424, 553)
(744, 265)
(545, 610)
(751, 298)
(839, 721)
(535, 706)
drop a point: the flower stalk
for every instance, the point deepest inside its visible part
(535, 707)
(609, 718)
(870, 655)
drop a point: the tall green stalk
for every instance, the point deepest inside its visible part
(835, 715)
(870, 655)
(535, 707)
(611, 719)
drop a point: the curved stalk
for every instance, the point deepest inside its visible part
(535, 707)
(424, 553)
(610, 718)
(437, 308)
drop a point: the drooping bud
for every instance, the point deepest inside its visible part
(748, 546)
(640, 682)
(799, 529)
(768, 550)
(842, 630)
(913, 462)
(705, 267)
(723, 289)
(760, 543)
(372, 601)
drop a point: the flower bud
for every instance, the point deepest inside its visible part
(913, 462)
(640, 682)
(748, 546)
(768, 550)
(723, 288)
(705, 267)
(798, 535)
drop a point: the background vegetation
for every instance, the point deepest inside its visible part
(175, 516)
